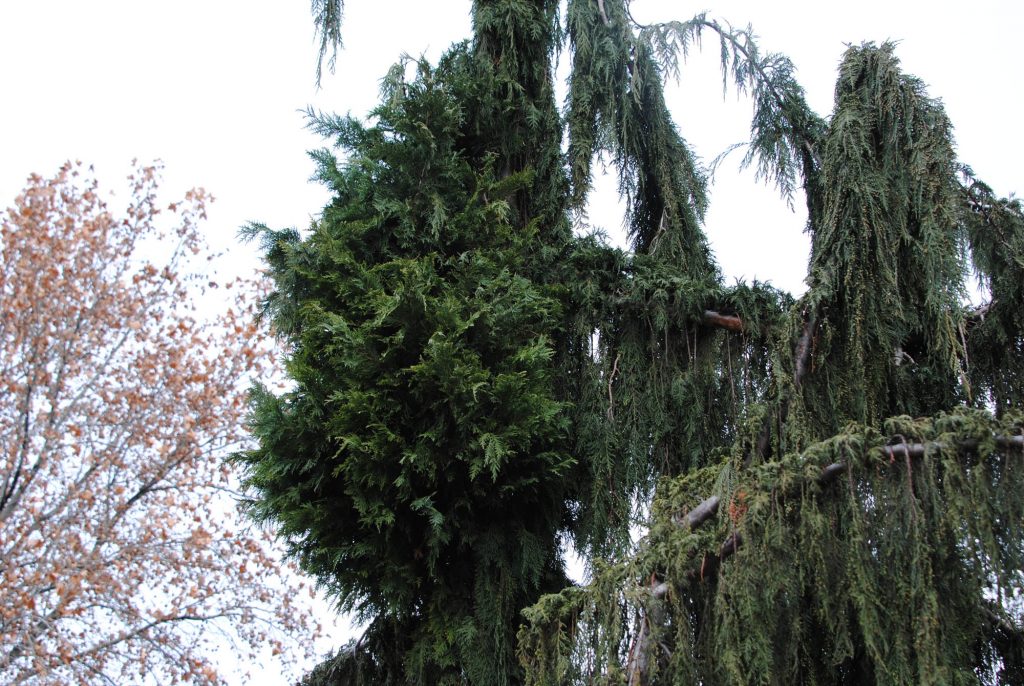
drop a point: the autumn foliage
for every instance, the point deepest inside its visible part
(123, 371)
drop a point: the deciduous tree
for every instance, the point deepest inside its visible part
(123, 370)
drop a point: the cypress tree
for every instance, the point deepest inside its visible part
(830, 486)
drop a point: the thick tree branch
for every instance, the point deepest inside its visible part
(828, 474)
(707, 509)
(640, 653)
(723, 321)
(802, 356)
(637, 663)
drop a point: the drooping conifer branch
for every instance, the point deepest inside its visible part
(785, 132)
(995, 230)
(327, 18)
(652, 615)
(709, 508)
(891, 210)
(616, 105)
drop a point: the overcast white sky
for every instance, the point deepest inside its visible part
(214, 88)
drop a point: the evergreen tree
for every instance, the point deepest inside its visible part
(831, 485)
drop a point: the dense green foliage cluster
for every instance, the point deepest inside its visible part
(837, 557)
(473, 384)
(421, 465)
(888, 261)
(893, 570)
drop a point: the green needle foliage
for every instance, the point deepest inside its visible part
(897, 571)
(420, 467)
(888, 259)
(831, 487)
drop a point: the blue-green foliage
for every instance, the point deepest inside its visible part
(888, 260)
(839, 554)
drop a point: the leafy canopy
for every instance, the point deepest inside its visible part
(120, 559)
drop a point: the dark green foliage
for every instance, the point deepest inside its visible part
(831, 561)
(887, 263)
(895, 572)
(516, 119)
(995, 230)
(472, 384)
(616, 105)
(420, 466)
(660, 393)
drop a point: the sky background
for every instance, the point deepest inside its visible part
(216, 90)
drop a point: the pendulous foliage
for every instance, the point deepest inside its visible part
(884, 571)
(845, 548)
(829, 485)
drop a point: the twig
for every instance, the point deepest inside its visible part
(611, 380)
